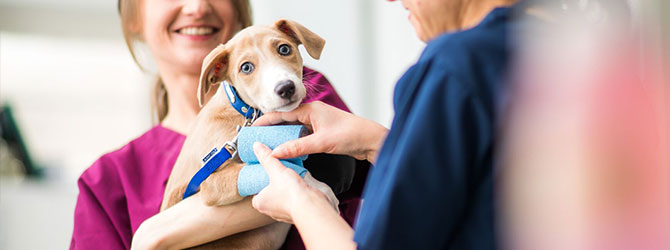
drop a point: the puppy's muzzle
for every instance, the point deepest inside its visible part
(285, 89)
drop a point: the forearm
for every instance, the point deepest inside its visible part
(190, 223)
(320, 226)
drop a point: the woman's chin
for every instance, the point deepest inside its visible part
(418, 29)
(190, 59)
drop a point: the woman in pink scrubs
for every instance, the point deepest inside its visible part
(124, 188)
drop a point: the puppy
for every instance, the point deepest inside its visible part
(264, 65)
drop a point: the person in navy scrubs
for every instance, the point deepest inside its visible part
(432, 184)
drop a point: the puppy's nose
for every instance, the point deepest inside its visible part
(285, 89)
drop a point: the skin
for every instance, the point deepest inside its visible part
(179, 57)
(431, 18)
(288, 198)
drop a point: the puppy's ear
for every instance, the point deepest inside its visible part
(312, 42)
(214, 69)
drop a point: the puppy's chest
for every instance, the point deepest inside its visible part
(215, 125)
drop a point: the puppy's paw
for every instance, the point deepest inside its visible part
(323, 188)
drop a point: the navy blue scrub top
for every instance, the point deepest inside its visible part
(432, 186)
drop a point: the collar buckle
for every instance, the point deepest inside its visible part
(243, 108)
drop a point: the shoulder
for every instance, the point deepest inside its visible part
(313, 77)
(318, 88)
(489, 34)
(473, 61)
(108, 166)
(127, 159)
(464, 51)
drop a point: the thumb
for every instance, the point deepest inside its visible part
(299, 147)
(271, 165)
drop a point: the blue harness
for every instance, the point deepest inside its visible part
(217, 156)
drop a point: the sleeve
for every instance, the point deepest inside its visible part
(419, 193)
(99, 220)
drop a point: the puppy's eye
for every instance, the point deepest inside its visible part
(284, 50)
(247, 68)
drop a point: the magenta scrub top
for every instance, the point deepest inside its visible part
(125, 187)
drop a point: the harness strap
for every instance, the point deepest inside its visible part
(210, 166)
(213, 159)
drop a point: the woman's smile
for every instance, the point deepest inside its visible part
(197, 32)
(181, 33)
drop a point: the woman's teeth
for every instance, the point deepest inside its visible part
(196, 31)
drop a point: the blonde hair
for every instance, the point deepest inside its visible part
(130, 16)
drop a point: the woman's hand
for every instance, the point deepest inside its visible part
(333, 131)
(286, 189)
(291, 199)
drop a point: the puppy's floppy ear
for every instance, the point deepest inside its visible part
(214, 69)
(312, 42)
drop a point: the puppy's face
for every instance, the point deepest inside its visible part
(263, 64)
(266, 69)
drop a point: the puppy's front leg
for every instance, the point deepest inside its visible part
(220, 188)
(325, 189)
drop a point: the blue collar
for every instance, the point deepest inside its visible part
(239, 105)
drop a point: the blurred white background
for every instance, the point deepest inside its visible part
(76, 93)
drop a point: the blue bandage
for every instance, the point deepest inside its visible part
(253, 178)
(271, 136)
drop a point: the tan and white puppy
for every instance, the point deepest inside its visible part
(264, 64)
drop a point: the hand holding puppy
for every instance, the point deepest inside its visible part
(333, 131)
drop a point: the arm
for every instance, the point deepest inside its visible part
(198, 224)
(289, 198)
(434, 184)
(319, 225)
(93, 225)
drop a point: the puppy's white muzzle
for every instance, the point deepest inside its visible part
(283, 90)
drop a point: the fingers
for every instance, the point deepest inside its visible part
(257, 202)
(282, 183)
(262, 202)
(300, 114)
(271, 165)
(310, 144)
(274, 118)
